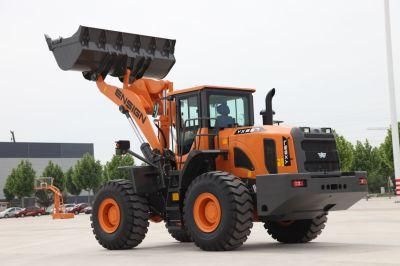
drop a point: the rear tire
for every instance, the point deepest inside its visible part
(299, 231)
(180, 235)
(130, 227)
(218, 211)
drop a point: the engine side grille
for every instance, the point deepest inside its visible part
(318, 145)
(270, 156)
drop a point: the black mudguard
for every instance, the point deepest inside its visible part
(145, 179)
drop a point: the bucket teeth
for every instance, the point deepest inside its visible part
(97, 52)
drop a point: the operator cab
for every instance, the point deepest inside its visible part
(213, 108)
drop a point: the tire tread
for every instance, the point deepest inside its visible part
(137, 217)
(301, 231)
(240, 202)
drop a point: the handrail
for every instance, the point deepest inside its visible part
(185, 126)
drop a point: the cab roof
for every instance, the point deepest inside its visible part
(203, 87)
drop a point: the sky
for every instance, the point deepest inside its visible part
(326, 59)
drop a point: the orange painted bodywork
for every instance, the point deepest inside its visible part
(198, 88)
(252, 145)
(144, 94)
(139, 98)
(200, 143)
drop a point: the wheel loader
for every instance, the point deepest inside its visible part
(209, 173)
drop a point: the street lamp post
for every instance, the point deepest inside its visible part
(392, 98)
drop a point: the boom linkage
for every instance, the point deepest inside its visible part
(141, 98)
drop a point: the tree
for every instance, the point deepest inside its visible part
(368, 158)
(7, 194)
(111, 170)
(44, 198)
(87, 173)
(55, 171)
(23, 180)
(9, 186)
(346, 152)
(386, 149)
(70, 185)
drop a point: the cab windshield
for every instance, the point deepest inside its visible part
(228, 110)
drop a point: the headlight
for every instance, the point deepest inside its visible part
(326, 130)
(306, 129)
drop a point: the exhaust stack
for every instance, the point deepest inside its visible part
(268, 114)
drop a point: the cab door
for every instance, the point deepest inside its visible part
(188, 122)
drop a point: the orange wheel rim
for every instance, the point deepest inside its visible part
(207, 212)
(109, 215)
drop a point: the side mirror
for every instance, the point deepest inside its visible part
(122, 147)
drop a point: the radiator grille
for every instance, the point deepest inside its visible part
(320, 154)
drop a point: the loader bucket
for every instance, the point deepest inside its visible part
(97, 52)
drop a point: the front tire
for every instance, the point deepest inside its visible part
(218, 211)
(119, 217)
(298, 231)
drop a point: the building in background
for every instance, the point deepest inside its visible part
(39, 154)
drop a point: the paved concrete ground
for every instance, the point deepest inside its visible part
(367, 234)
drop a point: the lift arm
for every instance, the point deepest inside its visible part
(98, 53)
(141, 98)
